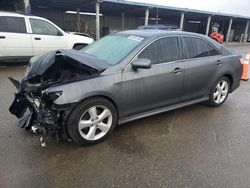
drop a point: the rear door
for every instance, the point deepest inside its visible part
(159, 86)
(45, 36)
(14, 39)
(202, 60)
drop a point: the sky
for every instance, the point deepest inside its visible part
(238, 7)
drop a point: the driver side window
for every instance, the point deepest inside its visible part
(43, 27)
(162, 50)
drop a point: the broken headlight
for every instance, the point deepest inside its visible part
(52, 96)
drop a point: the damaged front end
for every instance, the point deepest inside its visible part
(34, 104)
(36, 114)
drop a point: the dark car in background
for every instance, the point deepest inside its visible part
(122, 77)
(159, 27)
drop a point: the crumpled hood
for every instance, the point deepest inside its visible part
(39, 64)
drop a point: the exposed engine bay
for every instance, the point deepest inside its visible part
(64, 69)
(33, 104)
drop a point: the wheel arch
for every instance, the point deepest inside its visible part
(69, 126)
(105, 97)
(230, 77)
(110, 99)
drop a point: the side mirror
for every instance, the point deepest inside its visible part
(59, 33)
(141, 63)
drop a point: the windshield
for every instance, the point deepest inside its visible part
(113, 48)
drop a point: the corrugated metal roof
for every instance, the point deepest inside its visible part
(114, 7)
(64, 4)
(175, 8)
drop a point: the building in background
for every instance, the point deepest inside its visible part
(100, 17)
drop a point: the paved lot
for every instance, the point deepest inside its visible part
(195, 146)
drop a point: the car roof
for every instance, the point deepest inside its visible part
(11, 13)
(148, 33)
(152, 34)
(160, 26)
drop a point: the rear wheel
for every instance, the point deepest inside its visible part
(219, 92)
(92, 121)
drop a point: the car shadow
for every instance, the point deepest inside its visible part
(13, 63)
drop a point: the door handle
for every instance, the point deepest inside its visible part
(37, 38)
(219, 63)
(177, 70)
(2, 37)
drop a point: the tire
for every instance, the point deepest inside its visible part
(92, 121)
(219, 93)
(79, 46)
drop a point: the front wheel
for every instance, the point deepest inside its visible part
(219, 92)
(92, 121)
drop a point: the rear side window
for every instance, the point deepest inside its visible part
(196, 48)
(12, 24)
(43, 27)
(161, 51)
(212, 51)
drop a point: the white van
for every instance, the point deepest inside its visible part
(23, 36)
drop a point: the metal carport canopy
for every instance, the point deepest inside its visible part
(107, 7)
(115, 7)
(124, 2)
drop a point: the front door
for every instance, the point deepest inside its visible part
(159, 86)
(46, 37)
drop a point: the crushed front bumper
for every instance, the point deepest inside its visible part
(24, 106)
(35, 116)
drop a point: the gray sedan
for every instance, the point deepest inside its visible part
(125, 76)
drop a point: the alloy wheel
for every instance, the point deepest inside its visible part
(221, 92)
(95, 122)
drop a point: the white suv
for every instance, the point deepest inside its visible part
(23, 36)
